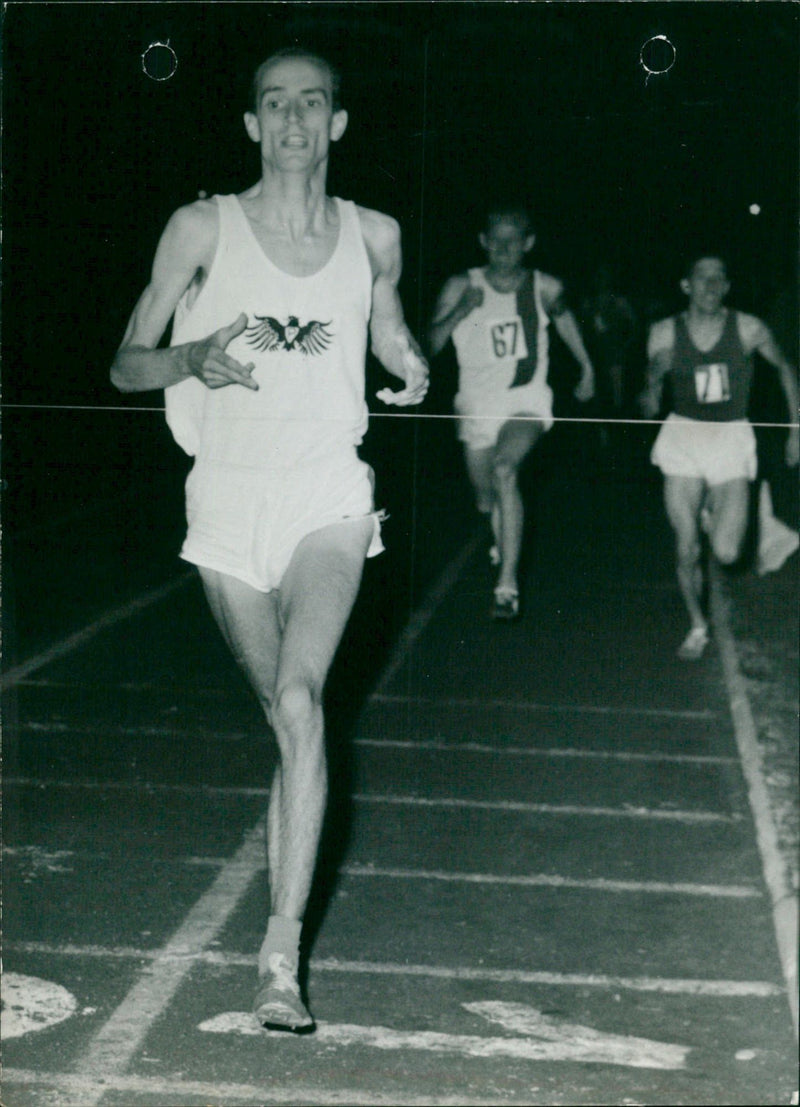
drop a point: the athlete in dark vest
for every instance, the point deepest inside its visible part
(706, 448)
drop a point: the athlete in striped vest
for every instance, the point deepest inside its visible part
(498, 318)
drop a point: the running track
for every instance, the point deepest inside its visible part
(547, 877)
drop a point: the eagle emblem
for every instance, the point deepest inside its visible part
(268, 334)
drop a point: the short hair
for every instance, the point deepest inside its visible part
(512, 210)
(307, 55)
(692, 259)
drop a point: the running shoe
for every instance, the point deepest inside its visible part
(278, 1002)
(694, 644)
(506, 603)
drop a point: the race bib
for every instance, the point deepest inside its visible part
(507, 339)
(712, 384)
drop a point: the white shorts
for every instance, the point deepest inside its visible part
(248, 522)
(481, 417)
(713, 452)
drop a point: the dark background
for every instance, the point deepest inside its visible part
(450, 103)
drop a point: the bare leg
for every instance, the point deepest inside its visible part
(683, 497)
(285, 642)
(479, 469)
(729, 515)
(250, 622)
(516, 439)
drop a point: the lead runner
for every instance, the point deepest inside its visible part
(274, 292)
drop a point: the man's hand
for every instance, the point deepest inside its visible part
(208, 361)
(649, 401)
(585, 388)
(793, 447)
(415, 373)
(471, 298)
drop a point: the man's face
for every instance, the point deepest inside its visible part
(295, 122)
(506, 243)
(707, 285)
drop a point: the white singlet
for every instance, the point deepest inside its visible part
(502, 349)
(274, 465)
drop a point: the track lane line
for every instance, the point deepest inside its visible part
(368, 870)
(755, 989)
(667, 814)
(177, 1091)
(110, 618)
(554, 708)
(113, 1046)
(417, 745)
(782, 895)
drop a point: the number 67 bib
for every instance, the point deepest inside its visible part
(507, 339)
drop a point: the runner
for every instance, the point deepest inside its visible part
(498, 318)
(273, 291)
(610, 326)
(706, 448)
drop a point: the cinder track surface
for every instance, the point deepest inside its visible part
(541, 881)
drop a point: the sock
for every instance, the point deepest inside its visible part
(283, 936)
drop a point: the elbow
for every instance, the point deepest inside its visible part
(117, 379)
(121, 380)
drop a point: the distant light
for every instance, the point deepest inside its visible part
(755, 209)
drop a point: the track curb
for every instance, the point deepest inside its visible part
(783, 898)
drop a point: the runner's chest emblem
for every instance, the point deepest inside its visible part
(712, 383)
(267, 333)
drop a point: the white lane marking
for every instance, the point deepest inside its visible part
(776, 871)
(545, 1039)
(34, 860)
(629, 812)
(548, 880)
(144, 786)
(31, 1004)
(77, 1089)
(81, 637)
(113, 1046)
(41, 860)
(554, 708)
(616, 1049)
(545, 751)
(420, 618)
(416, 745)
(754, 989)
(664, 985)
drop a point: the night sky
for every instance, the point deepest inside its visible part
(449, 103)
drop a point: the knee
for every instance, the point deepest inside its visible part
(726, 548)
(295, 712)
(504, 473)
(688, 550)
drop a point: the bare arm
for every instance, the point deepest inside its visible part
(187, 244)
(456, 300)
(756, 335)
(391, 340)
(567, 326)
(660, 342)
